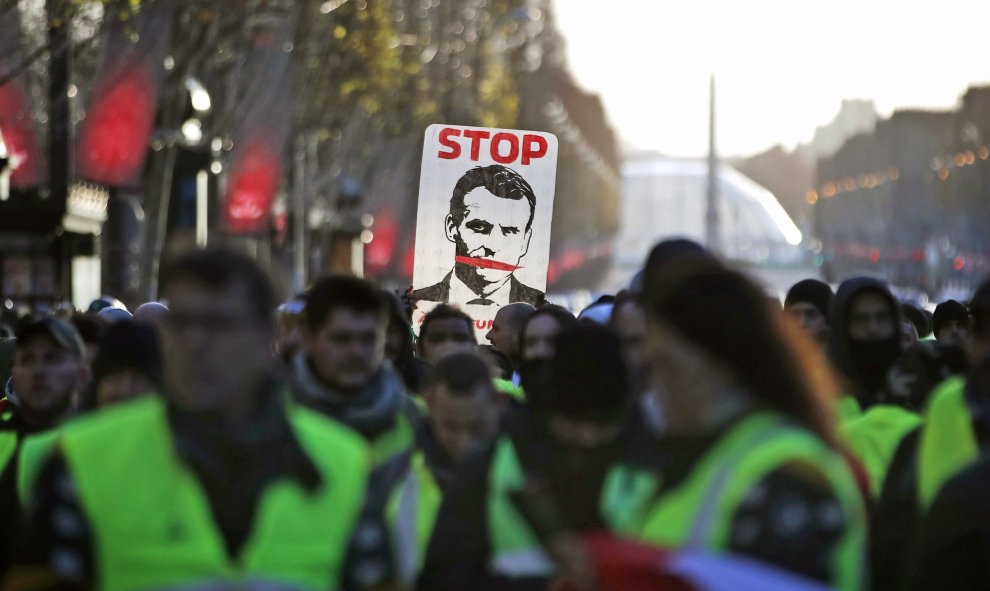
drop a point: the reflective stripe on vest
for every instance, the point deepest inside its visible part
(626, 494)
(152, 523)
(698, 513)
(413, 512)
(8, 445)
(947, 443)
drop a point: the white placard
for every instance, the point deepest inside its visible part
(483, 225)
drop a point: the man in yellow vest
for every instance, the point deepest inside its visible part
(576, 459)
(465, 414)
(220, 482)
(49, 370)
(341, 370)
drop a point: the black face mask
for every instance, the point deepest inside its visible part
(872, 359)
(534, 376)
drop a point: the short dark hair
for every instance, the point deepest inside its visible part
(461, 373)
(442, 312)
(342, 291)
(219, 269)
(90, 326)
(499, 181)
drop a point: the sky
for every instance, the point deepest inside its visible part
(781, 68)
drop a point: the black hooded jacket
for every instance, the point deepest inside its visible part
(865, 382)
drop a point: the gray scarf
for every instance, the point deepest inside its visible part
(371, 411)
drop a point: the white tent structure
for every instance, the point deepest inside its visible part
(665, 198)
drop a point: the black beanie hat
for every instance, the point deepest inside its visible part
(946, 312)
(127, 345)
(812, 291)
(588, 378)
(662, 254)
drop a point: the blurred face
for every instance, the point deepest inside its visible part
(46, 377)
(493, 231)
(810, 318)
(582, 433)
(445, 336)
(463, 421)
(630, 324)
(120, 386)
(690, 385)
(395, 336)
(216, 352)
(954, 332)
(348, 349)
(871, 318)
(541, 332)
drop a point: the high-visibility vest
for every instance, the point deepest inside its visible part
(31, 456)
(947, 443)
(411, 513)
(698, 513)
(847, 409)
(509, 389)
(8, 440)
(151, 521)
(515, 551)
(8, 445)
(873, 439)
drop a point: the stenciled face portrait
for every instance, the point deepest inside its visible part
(492, 237)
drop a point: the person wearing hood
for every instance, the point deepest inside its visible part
(341, 369)
(950, 322)
(864, 341)
(809, 303)
(576, 458)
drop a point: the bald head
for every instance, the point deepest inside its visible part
(151, 313)
(508, 323)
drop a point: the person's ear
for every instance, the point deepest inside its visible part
(450, 228)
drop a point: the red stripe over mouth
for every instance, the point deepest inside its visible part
(486, 263)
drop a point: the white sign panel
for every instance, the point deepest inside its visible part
(483, 226)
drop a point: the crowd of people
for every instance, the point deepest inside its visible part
(689, 432)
